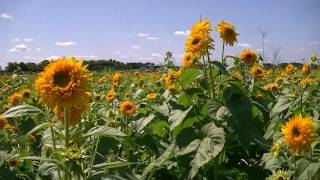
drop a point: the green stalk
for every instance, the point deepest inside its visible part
(222, 56)
(93, 157)
(54, 145)
(205, 75)
(210, 75)
(66, 123)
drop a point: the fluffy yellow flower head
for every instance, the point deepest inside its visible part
(227, 33)
(290, 68)
(152, 96)
(187, 60)
(199, 40)
(299, 133)
(257, 71)
(63, 83)
(305, 82)
(248, 57)
(111, 95)
(306, 69)
(128, 108)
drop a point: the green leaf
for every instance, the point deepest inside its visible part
(22, 110)
(143, 122)
(105, 131)
(111, 165)
(189, 75)
(38, 158)
(221, 67)
(177, 116)
(213, 107)
(3, 157)
(284, 102)
(209, 147)
(307, 169)
(190, 148)
(270, 162)
(40, 126)
(158, 162)
(47, 168)
(240, 108)
(163, 109)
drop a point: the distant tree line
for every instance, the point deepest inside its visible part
(111, 64)
(92, 65)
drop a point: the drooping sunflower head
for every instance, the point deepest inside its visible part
(26, 93)
(187, 60)
(227, 33)
(299, 133)
(306, 69)
(199, 40)
(289, 68)
(152, 96)
(116, 77)
(63, 83)
(128, 108)
(111, 95)
(248, 57)
(257, 71)
(74, 114)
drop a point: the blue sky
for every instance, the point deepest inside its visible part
(143, 30)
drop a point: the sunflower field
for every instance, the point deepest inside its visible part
(222, 117)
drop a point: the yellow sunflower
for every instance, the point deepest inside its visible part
(248, 57)
(25, 93)
(280, 175)
(15, 98)
(3, 122)
(290, 68)
(199, 40)
(299, 133)
(227, 33)
(152, 96)
(116, 80)
(111, 95)
(306, 69)
(257, 71)
(273, 87)
(177, 74)
(128, 108)
(187, 60)
(137, 74)
(305, 82)
(63, 83)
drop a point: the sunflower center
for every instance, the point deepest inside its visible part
(296, 132)
(259, 71)
(195, 41)
(248, 56)
(61, 79)
(280, 178)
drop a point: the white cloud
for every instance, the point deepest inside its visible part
(156, 55)
(259, 50)
(135, 47)
(53, 57)
(314, 42)
(86, 57)
(117, 52)
(6, 16)
(20, 48)
(246, 45)
(152, 38)
(28, 39)
(39, 49)
(65, 44)
(181, 33)
(143, 35)
(15, 40)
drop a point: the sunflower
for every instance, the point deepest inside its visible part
(128, 108)
(273, 87)
(275, 149)
(187, 60)
(3, 122)
(15, 98)
(137, 75)
(25, 93)
(257, 71)
(116, 80)
(74, 114)
(280, 175)
(306, 69)
(299, 133)
(63, 83)
(152, 96)
(111, 95)
(248, 56)
(305, 82)
(227, 33)
(177, 74)
(199, 40)
(290, 68)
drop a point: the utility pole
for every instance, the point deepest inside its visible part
(264, 33)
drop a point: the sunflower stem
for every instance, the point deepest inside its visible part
(54, 144)
(93, 157)
(206, 77)
(210, 74)
(66, 123)
(222, 55)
